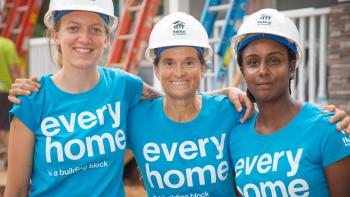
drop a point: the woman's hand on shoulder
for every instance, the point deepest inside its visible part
(23, 87)
(341, 116)
(240, 99)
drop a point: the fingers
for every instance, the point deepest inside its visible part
(32, 81)
(24, 85)
(338, 116)
(329, 108)
(250, 109)
(344, 125)
(236, 102)
(347, 130)
(13, 99)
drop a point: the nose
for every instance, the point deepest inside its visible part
(178, 70)
(263, 69)
(84, 37)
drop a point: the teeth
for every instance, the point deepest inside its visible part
(82, 50)
(178, 82)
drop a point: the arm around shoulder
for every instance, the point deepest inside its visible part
(149, 92)
(20, 158)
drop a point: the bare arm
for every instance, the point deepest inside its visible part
(238, 98)
(149, 92)
(23, 87)
(20, 158)
(15, 73)
(338, 176)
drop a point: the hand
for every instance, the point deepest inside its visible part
(238, 97)
(340, 115)
(23, 87)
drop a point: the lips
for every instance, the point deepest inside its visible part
(265, 83)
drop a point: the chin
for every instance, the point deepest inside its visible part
(84, 64)
(180, 95)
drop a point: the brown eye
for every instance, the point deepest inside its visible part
(189, 63)
(168, 64)
(252, 62)
(274, 60)
(73, 29)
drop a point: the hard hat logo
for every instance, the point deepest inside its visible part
(179, 28)
(270, 23)
(264, 20)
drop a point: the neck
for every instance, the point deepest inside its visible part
(76, 80)
(275, 115)
(182, 110)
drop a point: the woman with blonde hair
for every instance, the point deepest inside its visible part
(69, 138)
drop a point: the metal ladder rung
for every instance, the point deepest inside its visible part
(9, 5)
(135, 8)
(214, 40)
(23, 8)
(126, 37)
(218, 8)
(220, 23)
(17, 30)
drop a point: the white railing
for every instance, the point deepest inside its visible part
(40, 62)
(309, 21)
(313, 27)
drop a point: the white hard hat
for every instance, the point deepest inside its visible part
(178, 29)
(270, 22)
(99, 6)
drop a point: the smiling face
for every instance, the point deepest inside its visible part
(81, 38)
(180, 71)
(267, 68)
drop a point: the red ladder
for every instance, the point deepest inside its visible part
(20, 21)
(136, 23)
(4, 15)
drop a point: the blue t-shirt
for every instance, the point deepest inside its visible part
(80, 139)
(289, 162)
(183, 159)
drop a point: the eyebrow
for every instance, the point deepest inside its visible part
(273, 53)
(78, 23)
(166, 59)
(277, 52)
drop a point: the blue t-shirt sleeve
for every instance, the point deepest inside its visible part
(134, 87)
(27, 111)
(334, 145)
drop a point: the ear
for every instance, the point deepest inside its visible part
(106, 43)
(54, 36)
(203, 70)
(292, 69)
